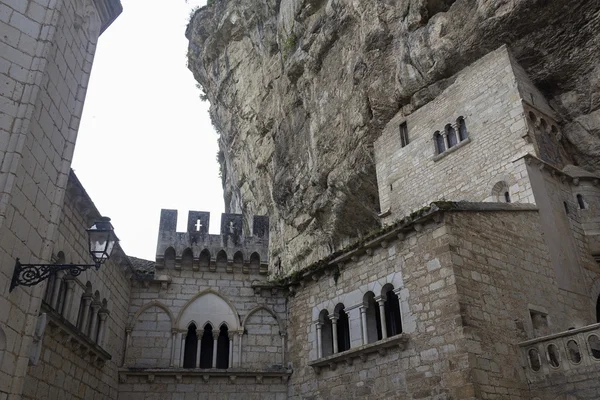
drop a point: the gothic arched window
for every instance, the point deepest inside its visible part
(223, 348)
(170, 258)
(206, 347)
(191, 347)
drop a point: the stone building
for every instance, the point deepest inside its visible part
(482, 282)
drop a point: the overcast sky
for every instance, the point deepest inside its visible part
(145, 140)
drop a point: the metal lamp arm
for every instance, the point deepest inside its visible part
(32, 274)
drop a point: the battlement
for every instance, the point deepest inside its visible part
(197, 249)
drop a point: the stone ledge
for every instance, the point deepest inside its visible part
(452, 149)
(69, 334)
(205, 374)
(348, 356)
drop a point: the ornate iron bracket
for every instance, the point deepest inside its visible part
(32, 274)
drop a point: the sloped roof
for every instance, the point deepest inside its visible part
(142, 267)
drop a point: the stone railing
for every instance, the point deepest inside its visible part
(561, 352)
(361, 352)
(70, 336)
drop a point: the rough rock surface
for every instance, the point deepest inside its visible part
(299, 89)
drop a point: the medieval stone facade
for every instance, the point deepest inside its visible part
(482, 282)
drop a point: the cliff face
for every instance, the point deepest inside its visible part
(299, 89)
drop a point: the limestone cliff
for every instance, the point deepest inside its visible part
(299, 89)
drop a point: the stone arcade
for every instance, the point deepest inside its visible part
(482, 282)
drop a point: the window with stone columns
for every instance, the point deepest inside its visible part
(450, 135)
(342, 329)
(393, 317)
(324, 335)
(370, 319)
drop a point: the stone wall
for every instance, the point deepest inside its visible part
(487, 96)
(504, 276)
(45, 62)
(421, 266)
(65, 369)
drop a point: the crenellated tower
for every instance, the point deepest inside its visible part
(233, 250)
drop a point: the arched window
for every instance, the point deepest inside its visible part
(440, 146)
(238, 260)
(187, 259)
(326, 334)
(451, 135)
(191, 347)
(462, 129)
(501, 192)
(393, 320)
(221, 260)
(206, 347)
(204, 259)
(170, 258)
(343, 329)
(254, 262)
(372, 318)
(223, 348)
(580, 202)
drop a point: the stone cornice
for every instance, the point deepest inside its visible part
(205, 374)
(108, 10)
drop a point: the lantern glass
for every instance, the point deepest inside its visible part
(102, 240)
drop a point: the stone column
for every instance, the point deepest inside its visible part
(94, 323)
(381, 301)
(363, 323)
(199, 334)
(66, 311)
(173, 345)
(103, 315)
(56, 289)
(240, 338)
(86, 300)
(319, 325)
(230, 352)
(215, 339)
(182, 349)
(334, 319)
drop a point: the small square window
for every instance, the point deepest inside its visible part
(403, 134)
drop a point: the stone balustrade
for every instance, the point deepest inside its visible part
(561, 352)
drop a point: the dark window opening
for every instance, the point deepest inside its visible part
(343, 331)
(462, 128)
(580, 201)
(598, 310)
(373, 318)
(507, 197)
(566, 207)
(440, 146)
(191, 347)
(451, 134)
(206, 347)
(392, 314)
(403, 134)
(223, 348)
(326, 334)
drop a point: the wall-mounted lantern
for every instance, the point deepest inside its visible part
(102, 240)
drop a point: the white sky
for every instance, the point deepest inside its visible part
(145, 140)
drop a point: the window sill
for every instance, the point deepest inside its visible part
(348, 356)
(70, 336)
(452, 149)
(205, 374)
